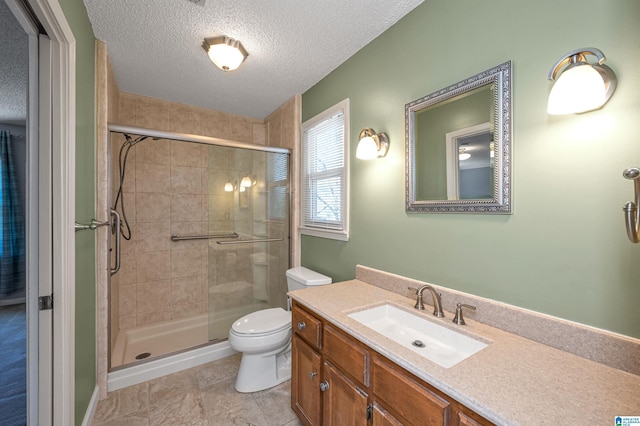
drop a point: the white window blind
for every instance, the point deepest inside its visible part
(278, 191)
(325, 174)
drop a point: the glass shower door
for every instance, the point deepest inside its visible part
(248, 206)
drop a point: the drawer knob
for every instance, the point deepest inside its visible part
(324, 386)
(312, 375)
(301, 325)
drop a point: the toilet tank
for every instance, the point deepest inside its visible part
(301, 277)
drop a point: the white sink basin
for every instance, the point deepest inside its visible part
(439, 344)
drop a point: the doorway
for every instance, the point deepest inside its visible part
(14, 66)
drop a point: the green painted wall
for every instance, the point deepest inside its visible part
(564, 251)
(85, 339)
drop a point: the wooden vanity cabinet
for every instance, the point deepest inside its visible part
(337, 380)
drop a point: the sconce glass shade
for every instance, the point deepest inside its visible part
(579, 85)
(372, 145)
(226, 53)
(245, 182)
(228, 187)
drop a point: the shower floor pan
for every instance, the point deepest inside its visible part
(171, 336)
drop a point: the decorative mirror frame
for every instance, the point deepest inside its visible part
(500, 76)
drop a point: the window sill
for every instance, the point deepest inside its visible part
(321, 233)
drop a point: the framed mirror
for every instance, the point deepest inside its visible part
(458, 147)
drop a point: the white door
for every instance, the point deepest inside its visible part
(38, 219)
(45, 268)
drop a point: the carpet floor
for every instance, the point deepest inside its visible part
(13, 365)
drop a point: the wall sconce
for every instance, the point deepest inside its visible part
(372, 145)
(246, 182)
(580, 86)
(631, 212)
(226, 53)
(229, 187)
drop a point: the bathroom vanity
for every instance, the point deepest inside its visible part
(338, 380)
(345, 372)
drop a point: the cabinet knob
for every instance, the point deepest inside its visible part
(324, 386)
(312, 375)
(301, 325)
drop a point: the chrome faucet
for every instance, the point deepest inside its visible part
(437, 302)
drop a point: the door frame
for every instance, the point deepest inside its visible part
(60, 263)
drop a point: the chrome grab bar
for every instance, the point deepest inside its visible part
(93, 225)
(631, 209)
(203, 237)
(263, 240)
(118, 233)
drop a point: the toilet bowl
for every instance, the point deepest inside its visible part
(264, 338)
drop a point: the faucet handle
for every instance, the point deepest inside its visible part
(419, 304)
(415, 290)
(458, 318)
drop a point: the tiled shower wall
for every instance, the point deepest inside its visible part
(165, 193)
(166, 187)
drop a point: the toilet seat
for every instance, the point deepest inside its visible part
(264, 322)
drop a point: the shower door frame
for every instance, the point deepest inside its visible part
(185, 137)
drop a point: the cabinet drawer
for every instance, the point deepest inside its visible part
(306, 326)
(410, 400)
(346, 353)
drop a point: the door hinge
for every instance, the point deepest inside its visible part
(45, 302)
(369, 412)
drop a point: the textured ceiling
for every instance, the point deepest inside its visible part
(155, 46)
(14, 72)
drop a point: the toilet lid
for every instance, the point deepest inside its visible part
(265, 321)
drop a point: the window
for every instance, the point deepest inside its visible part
(278, 191)
(325, 172)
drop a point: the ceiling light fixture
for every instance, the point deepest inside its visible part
(225, 52)
(463, 154)
(372, 145)
(580, 86)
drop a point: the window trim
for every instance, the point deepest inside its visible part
(340, 235)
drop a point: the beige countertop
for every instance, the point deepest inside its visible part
(513, 381)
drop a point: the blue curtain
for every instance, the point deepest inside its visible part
(11, 224)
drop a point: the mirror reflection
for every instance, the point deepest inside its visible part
(457, 142)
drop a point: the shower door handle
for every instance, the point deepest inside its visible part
(116, 224)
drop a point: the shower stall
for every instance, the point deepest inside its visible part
(203, 239)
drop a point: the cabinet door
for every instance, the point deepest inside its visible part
(381, 417)
(305, 386)
(343, 403)
(408, 399)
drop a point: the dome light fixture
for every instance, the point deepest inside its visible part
(463, 154)
(372, 145)
(580, 86)
(225, 52)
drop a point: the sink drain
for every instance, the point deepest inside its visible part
(143, 355)
(418, 344)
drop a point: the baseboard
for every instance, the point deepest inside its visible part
(91, 408)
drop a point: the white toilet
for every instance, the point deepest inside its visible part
(264, 338)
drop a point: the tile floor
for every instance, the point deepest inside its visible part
(202, 395)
